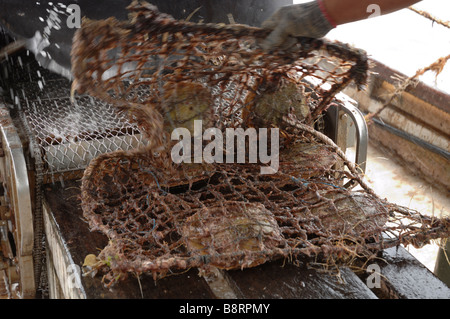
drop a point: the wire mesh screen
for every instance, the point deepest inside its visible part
(64, 134)
(72, 134)
(162, 216)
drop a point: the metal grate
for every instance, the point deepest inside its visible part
(72, 134)
(65, 135)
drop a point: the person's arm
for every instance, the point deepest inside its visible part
(316, 18)
(345, 11)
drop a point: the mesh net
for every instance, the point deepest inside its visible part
(64, 135)
(164, 73)
(71, 135)
(162, 217)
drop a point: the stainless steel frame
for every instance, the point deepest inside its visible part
(14, 176)
(337, 114)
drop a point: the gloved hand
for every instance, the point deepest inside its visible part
(306, 19)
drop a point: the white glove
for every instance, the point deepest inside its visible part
(306, 20)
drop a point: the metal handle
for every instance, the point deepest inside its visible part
(362, 133)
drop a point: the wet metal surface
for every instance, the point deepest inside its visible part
(407, 278)
(278, 280)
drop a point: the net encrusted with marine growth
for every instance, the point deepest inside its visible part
(164, 217)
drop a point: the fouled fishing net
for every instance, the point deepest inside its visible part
(164, 217)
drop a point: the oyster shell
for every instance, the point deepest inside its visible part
(232, 228)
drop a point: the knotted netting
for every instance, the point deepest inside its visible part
(163, 216)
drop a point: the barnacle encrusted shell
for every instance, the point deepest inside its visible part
(271, 105)
(232, 227)
(185, 102)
